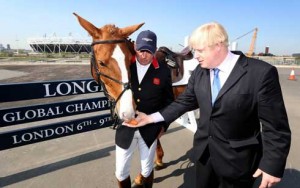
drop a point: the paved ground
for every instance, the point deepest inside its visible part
(87, 159)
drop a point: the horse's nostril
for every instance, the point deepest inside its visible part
(124, 116)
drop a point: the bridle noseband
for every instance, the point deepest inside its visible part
(126, 85)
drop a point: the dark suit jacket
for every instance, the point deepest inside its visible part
(154, 93)
(251, 98)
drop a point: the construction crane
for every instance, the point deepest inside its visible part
(253, 41)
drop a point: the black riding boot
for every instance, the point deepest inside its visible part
(148, 182)
(125, 183)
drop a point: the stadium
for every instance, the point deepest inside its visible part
(54, 44)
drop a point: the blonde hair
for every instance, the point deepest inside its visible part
(208, 35)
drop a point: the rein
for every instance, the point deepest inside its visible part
(126, 85)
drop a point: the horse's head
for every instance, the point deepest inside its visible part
(111, 57)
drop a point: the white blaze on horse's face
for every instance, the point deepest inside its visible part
(126, 110)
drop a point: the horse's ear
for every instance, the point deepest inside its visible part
(127, 31)
(90, 28)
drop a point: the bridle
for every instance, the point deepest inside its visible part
(126, 85)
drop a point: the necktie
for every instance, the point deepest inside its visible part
(216, 86)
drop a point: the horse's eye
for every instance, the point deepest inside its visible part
(102, 63)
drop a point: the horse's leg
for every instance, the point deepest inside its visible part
(177, 90)
(159, 155)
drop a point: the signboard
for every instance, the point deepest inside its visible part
(32, 135)
(26, 91)
(13, 116)
(38, 90)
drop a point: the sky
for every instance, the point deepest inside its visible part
(172, 20)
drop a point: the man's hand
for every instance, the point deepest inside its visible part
(267, 179)
(142, 119)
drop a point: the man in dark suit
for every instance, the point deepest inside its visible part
(152, 90)
(243, 129)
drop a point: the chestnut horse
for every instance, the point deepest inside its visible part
(112, 52)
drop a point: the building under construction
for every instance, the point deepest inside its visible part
(54, 44)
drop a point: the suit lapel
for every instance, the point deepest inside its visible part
(134, 76)
(237, 72)
(149, 74)
(205, 81)
(206, 77)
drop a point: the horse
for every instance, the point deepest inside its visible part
(112, 52)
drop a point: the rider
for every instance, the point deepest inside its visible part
(147, 74)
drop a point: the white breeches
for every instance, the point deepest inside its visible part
(124, 157)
